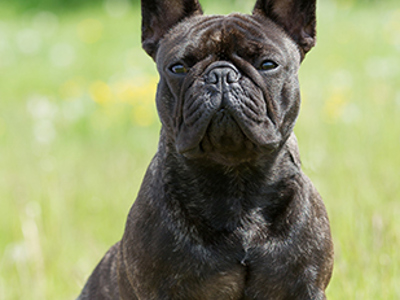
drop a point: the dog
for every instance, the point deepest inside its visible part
(224, 210)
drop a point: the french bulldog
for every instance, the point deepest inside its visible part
(224, 211)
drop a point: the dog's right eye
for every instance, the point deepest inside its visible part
(178, 69)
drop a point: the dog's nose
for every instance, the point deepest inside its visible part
(224, 75)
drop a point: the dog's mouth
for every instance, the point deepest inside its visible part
(223, 134)
(224, 140)
(224, 116)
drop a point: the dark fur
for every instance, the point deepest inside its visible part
(224, 211)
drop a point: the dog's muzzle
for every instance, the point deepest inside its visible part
(223, 111)
(223, 133)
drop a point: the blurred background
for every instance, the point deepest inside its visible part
(78, 127)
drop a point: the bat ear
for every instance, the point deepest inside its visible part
(297, 17)
(159, 16)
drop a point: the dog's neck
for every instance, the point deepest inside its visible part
(228, 193)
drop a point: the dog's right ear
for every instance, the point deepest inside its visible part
(159, 16)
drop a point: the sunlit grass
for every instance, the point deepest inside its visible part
(78, 127)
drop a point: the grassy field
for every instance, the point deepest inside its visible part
(78, 128)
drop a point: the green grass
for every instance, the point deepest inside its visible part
(78, 128)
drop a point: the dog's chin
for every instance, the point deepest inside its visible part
(248, 153)
(228, 158)
(225, 143)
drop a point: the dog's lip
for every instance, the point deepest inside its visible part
(192, 152)
(231, 159)
(263, 135)
(195, 149)
(260, 134)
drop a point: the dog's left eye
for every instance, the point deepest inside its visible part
(268, 65)
(178, 69)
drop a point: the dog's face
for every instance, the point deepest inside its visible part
(228, 86)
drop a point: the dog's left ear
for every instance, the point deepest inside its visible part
(159, 16)
(297, 17)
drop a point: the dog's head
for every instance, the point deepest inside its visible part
(228, 86)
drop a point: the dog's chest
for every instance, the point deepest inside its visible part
(222, 270)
